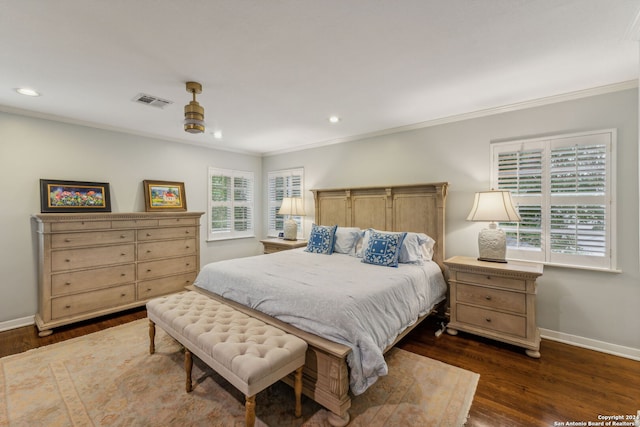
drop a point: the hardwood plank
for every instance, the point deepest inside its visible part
(566, 384)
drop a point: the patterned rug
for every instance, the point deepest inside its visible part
(108, 378)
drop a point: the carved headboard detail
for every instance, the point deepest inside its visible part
(418, 207)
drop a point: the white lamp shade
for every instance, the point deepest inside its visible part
(292, 206)
(493, 206)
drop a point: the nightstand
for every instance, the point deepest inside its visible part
(277, 245)
(495, 300)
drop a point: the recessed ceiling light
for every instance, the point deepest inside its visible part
(217, 134)
(334, 119)
(26, 91)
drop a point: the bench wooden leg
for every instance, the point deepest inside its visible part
(188, 366)
(152, 337)
(297, 387)
(250, 411)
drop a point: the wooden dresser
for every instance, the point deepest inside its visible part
(99, 263)
(495, 300)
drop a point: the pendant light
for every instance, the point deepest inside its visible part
(193, 112)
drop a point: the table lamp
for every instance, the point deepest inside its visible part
(493, 206)
(292, 206)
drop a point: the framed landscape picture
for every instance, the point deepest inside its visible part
(164, 196)
(74, 196)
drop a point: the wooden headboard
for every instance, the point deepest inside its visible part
(419, 208)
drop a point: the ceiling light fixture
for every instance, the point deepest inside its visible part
(193, 112)
(26, 91)
(334, 119)
(217, 134)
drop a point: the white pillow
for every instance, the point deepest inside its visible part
(346, 240)
(416, 248)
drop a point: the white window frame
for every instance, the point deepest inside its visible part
(230, 203)
(547, 199)
(274, 198)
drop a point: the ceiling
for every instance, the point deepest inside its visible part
(274, 71)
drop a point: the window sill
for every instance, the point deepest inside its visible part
(219, 239)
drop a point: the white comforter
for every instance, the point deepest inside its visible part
(334, 296)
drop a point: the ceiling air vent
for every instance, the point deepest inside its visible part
(154, 101)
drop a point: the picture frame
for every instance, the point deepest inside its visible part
(74, 196)
(164, 196)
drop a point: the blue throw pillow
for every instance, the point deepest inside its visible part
(321, 239)
(383, 248)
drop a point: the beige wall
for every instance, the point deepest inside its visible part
(591, 308)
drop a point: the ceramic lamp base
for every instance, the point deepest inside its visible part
(290, 230)
(492, 244)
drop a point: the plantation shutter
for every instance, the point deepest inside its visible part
(231, 204)
(284, 183)
(562, 189)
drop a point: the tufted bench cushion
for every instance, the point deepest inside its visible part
(247, 352)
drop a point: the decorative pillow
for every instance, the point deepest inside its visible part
(346, 240)
(416, 248)
(383, 248)
(321, 239)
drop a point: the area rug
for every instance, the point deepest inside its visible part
(108, 378)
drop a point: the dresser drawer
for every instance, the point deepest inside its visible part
(166, 285)
(491, 298)
(84, 280)
(152, 250)
(166, 233)
(91, 301)
(492, 280)
(93, 238)
(491, 320)
(151, 269)
(71, 259)
(81, 225)
(178, 221)
(135, 223)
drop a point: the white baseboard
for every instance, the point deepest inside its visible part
(591, 344)
(17, 323)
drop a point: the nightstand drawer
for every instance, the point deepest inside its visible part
(491, 280)
(491, 298)
(491, 320)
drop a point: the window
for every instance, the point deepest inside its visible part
(231, 204)
(563, 188)
(284, 183)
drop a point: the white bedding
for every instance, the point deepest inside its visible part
(334, 296)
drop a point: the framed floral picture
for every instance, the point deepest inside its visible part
(74, 196)
(164, 196)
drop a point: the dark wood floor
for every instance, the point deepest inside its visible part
(568, 384)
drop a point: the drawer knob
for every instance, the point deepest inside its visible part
(67, 283)
(148, 251)
(188, 264)
(488, 277)
(67, 240)
(123, 274)
(488, 320)
(123, 295)
(67, 260)
(122, 236)
(67, 306)
(148, 270)
(187, 246)
(122, 254)
(488, 297)
(148, 289)
(148, 234)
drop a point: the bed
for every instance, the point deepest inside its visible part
(349, 312)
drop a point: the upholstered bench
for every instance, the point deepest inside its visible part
(247, 352)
